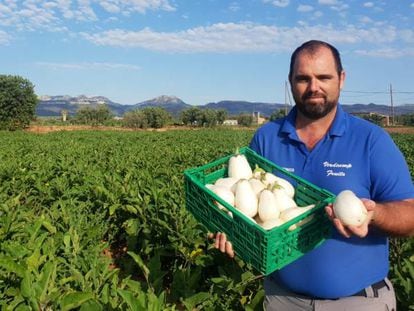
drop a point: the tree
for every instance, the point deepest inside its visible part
(277, 114)
(18, 102)
(157, 117)
(221, 116)
(245, 119)
(135, 119)
(209, 118)
(191, 116)
(93, 115)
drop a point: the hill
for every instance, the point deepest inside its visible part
(53, 105)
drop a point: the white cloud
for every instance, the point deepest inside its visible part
(110, 7)
(52, 14)
(305, 8)
(87, 66)
(328, 2)
(368, 4)
(412, 5)
(365, 20)
(278, 3)
(4, 38)
(140, 6)
(248, 38)
(387, 53)
(317, 14)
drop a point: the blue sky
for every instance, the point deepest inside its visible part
(204, 51)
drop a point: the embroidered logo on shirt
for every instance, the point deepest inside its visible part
(336, 169)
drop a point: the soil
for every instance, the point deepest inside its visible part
(401, 130)
(57, 128)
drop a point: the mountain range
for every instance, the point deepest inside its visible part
(53, 105)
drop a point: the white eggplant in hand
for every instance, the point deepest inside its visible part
(245, 199)
(239, 167)
(349, 208)
(268, 207)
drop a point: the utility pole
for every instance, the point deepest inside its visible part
(286, 109)
(392, 106)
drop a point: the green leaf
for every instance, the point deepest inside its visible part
(26, 285)
(33, 260)
(42, 285)
(74, 300)
(49, 227)
(12, 267)
(194, 300)
(91, 305)
(140, 264)
(133, 303)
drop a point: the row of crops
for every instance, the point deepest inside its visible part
(96, 221)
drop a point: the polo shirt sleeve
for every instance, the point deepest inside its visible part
(254, 144)
(390, 176)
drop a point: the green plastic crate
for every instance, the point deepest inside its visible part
(265, 250)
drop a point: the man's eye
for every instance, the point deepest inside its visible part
(324, 78)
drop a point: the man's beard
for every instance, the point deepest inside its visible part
(315, 111)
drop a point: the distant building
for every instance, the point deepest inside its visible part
(230, 122)
(257, 119)
(381, 119)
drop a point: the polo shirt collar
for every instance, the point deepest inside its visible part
(338, 127)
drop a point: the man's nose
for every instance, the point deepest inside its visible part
(313, 85)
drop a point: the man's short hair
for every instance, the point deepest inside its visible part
(312, 46)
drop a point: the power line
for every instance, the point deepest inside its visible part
(379, 92)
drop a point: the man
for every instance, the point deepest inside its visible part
(320, 142)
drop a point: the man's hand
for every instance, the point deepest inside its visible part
(221, 243)
(347, 231)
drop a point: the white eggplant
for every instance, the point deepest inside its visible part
(268, 207)
(349, 208)
(283, 200)
(257, 185)
(271, 223)
(225, 194)
(294, 212)
(227, 182)
(239, 167)
(269, 178)
(258, 172)
(287, 186)
(245, 198)
(209, 186)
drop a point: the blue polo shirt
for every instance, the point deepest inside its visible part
(356, 155)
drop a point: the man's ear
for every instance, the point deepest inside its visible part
(342, 79)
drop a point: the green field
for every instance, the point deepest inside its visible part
(96, 221)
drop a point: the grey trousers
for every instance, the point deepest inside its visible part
(279, 299)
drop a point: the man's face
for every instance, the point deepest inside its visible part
(315, 83)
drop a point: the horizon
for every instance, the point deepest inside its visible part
(204, 51)
(219, 101)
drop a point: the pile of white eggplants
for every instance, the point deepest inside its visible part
(263, 197)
